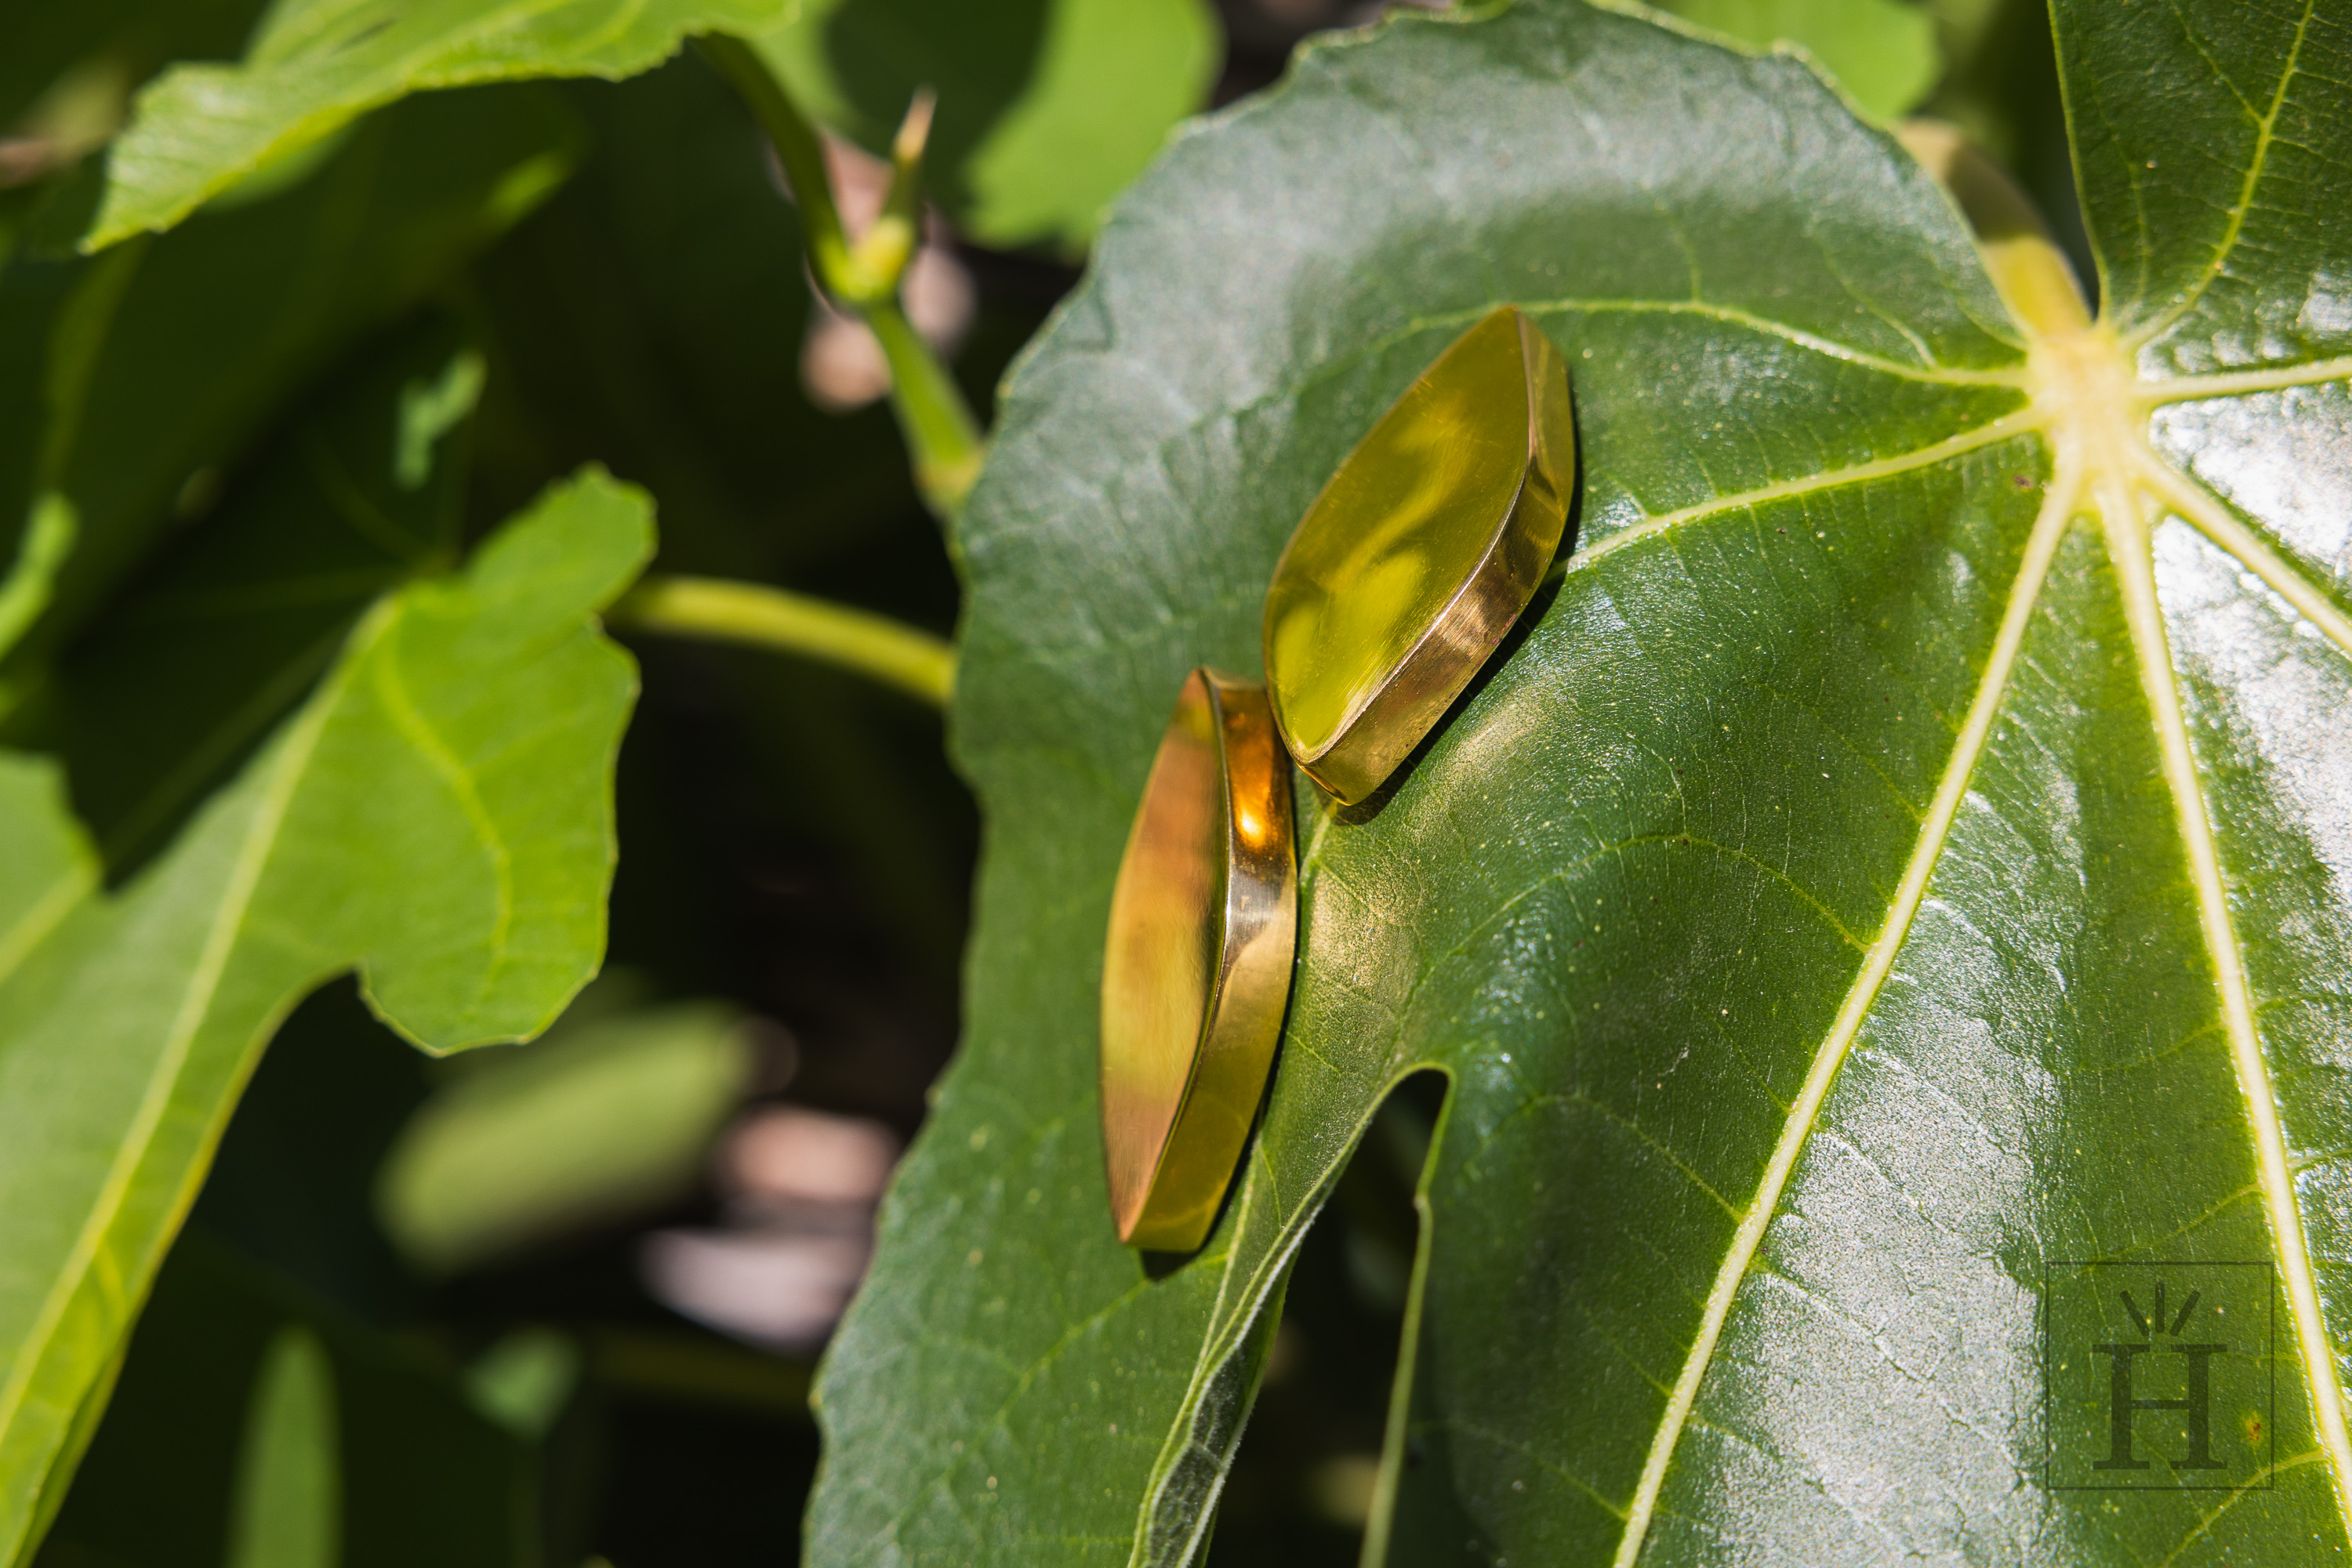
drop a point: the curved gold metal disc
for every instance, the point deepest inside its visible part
(1197, 968)
(1419, 555)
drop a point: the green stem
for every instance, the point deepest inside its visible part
(873, 646)
(797, 148)
(941, 434)
(933, 417)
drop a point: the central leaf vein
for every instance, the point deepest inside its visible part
(2042, 546)
(2119, 502)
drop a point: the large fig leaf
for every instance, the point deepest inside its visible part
(438, 815)
(1905, 862)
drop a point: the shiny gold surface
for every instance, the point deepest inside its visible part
(1197, 968)
(1419, 555)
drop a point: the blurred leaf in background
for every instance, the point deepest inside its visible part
(1048, 106)
(227, 627)
(650, 318)
(289, 1501)
(156, 362)
(608, 1117)
(72, 68)
(1885, 52)
(314, 65)
(1047, 109)
(255, 1425)
(525, 1380)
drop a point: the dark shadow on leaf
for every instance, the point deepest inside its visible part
(1299, 1493)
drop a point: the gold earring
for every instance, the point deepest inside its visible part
(1197, 968)
(1419, 555)
(1405, 574)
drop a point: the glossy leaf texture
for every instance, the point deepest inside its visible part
(438, 815)
(1908, 855)
(1047, 109)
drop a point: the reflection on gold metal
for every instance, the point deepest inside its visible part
(1419, 553)
(1197, 968)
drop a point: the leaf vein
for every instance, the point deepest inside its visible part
(2049, 529)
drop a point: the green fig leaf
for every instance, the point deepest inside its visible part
(1047, 107)
(313, 68)
(253, 1414)
(1884, 915)
(438, 815)
(1882, 51)
(603, 1120)
(150, 369)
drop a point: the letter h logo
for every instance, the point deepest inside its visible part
(2123, 1404)
(2158, 1375)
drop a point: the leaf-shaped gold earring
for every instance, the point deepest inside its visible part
(1197, 968)
(1406, 573)
(1419, 555)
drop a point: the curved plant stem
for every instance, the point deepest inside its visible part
(714, 610)
(937, 424)
(863, 275)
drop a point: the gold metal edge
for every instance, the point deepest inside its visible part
(1122, 1129)
(1306, 759)
(1257, 944)
(1373, 741)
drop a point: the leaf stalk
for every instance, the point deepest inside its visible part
(754, 616)
(863, 275)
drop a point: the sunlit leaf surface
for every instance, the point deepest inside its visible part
(314, 66)
(1906, 862)
(1047, 107)
(437, 815)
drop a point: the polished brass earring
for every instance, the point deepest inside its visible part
(1419, 555)
(1404, 576)
(1197, 970)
